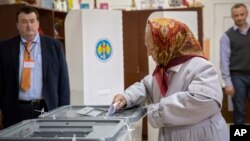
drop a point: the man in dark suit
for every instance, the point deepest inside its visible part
(33, 72)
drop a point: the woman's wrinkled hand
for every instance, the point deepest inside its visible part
(120, 99)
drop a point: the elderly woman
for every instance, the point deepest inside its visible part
(184, 93)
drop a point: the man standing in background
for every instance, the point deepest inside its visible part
(33, 72)
(235, 61)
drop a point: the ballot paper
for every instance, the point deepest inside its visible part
(90, 111)
(85, 110)
(112, 109)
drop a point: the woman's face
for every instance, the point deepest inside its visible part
(149, 43)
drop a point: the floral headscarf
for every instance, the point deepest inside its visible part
(173, 44)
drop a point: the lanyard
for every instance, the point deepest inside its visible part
(25, 47)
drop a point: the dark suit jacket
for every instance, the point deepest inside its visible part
(56, 90)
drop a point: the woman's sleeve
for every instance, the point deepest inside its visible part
(201, 100)
(137, 93)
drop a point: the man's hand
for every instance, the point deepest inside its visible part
(229, 90)
(121, 101)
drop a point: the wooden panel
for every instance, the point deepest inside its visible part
(58, 20)
(8, 21)
(130, 43)
(46, 21)
(143, 57)
(58, 27)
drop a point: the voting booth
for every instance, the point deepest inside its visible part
(94, 52)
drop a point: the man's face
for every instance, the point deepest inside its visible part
(239, 16)
(27, 25)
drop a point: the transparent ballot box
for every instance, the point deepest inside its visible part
(66, 130)
(131, 116)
